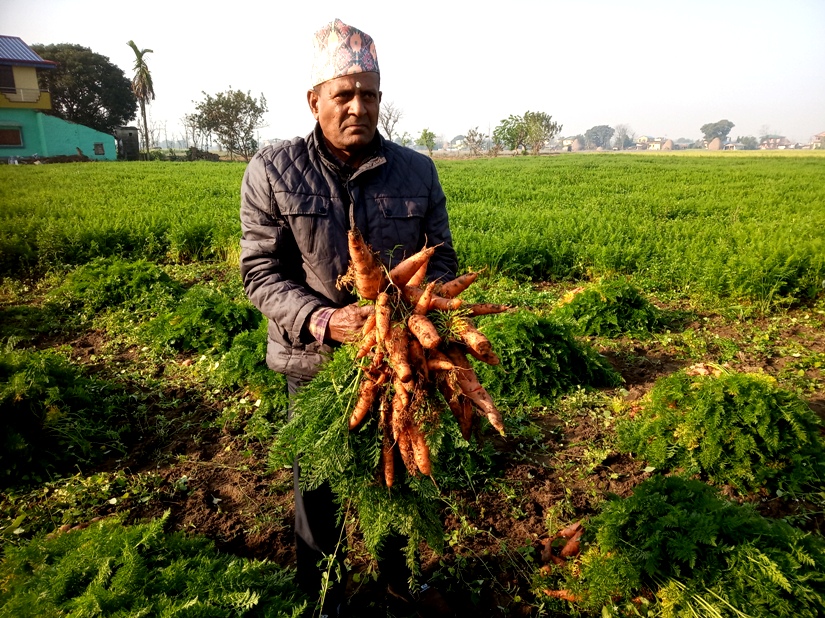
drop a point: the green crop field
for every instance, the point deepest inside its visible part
(661, 382)
(741, 226)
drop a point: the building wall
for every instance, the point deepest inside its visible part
(26, 121)
(49, 136)
(27, 94)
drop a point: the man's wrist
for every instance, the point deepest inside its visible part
(319, 321)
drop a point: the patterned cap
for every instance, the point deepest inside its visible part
(342, 50)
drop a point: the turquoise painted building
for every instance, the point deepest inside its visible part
(25, 130)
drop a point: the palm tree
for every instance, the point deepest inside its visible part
(142, 87)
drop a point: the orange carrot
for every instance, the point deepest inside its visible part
(564, 595)
(476, 341)
(451, 397)
(470, 386)
(419, 276)
(369, 325)
(424, 331)
(422, 306)
(406, 269)
(417, 358)
(467, 417)
(369, 275)
(440, 303)
(445, 304)
(388, 461)
(366, 344)
(383, 315)
(421, 452)
(366, 396)
(572, 547)
(436, 364)
(570, 531)
(406, 449)
(399, 414)
(460, 406)
(486, 309)
(399, 358)
(453, 288)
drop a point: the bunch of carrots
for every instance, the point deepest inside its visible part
(407, 357)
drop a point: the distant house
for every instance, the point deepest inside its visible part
(647, 142)
(24, 129)
(818, 141)
(775, 142)
(733, 146)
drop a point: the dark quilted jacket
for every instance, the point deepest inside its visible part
(296, 208)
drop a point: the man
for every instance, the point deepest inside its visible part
(298, 201)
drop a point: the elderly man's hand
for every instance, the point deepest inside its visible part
(345, 323)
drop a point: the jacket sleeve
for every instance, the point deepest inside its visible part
(444, 262)
(271, 264)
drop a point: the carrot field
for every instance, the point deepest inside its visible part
(662, 384)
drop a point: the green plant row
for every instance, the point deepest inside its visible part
(731, 428)
(109, 569)
(678, 548)
(176, 211)
(746, 227)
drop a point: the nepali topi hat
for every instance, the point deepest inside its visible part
(342, 50)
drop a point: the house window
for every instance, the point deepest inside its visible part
(11, 136)
(99, 148)
(7, 79)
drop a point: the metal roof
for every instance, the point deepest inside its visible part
(14, 51)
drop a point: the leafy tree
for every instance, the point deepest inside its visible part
(599, 136)
(540, 129)
(511, 133)
(475, 141)
(388, 117)
(624, 137)
(426, 139)
(717, 129)
(406, 139)
(232, 117)
(749, 142)
(533, 129)
(142, 87)
(86, 87)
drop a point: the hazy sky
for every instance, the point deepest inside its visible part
(663, 67)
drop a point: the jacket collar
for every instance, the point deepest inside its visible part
(375, 156)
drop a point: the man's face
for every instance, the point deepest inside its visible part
(347, 110)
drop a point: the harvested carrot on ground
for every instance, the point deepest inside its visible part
(564, 595)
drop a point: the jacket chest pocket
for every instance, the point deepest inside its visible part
(402, 223)
(308, 217)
